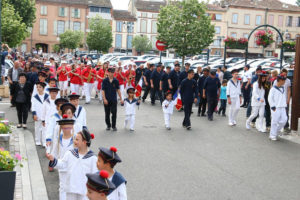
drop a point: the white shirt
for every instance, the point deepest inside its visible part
(286, 86)
(80, 117)
(257, 95)
(233, 89)
(247, 76)
(168, 106)
(130, 106)
(277, 97)
(119, 193)
(37, 102)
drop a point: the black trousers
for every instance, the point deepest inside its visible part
(187, 107)
(22, 112)
(111, 108)
(223, 106)
(146, 92)
(154, 92)
(246, 93)
(268, 114)
(287, 125)
(12, 101)
(212, 104)
(202, 105)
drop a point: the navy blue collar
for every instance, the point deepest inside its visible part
(279, 89)
(87, 155)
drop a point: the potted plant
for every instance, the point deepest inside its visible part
(264, 38)
(5, 130)
(232, 43)
(289, 46)
(7, 173)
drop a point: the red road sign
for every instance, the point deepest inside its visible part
(161, 46)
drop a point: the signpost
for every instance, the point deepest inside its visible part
(161, 46)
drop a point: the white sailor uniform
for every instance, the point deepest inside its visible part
(234, 92)
(168, 107)
(80, 115)
(76, 167)
(130, 107)
(277, 100)
(51, 127)
(49, 109)
(120, 192)
(35, 89)
(258, 107)
(37, 109)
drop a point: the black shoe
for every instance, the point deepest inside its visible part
(198, 114)
(108, 128)
(114, 129)
(210, 119)
(188, 127)
(192, 112)
(12, 106)
(203, 115)
(153, 104)
(223, 115)
(19, 126)
(242, 106)
(143, 100)
(96, 96)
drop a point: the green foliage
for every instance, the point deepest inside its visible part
(14, 31)
(141, 43)
(25, 9)
(298, 2)
(70, 39)
(5, 127)
(100, 36)
(56, 48)
(8, 162)
(184, 26)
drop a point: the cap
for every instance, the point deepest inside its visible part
(61, 101)
(190, 71)
(42, 73)
(248, 66)
(187, 64)
(63, 62)
(66, 121)
(205, 70)
(168, 67)
(99, 182)
(53, 89)
(87, 136)
(263, 73)
(89, 63)
(111, 69)
(130, 88)
(47, 63)
(281, 77)
(41, 84)
(213, 72)
(177, 65)
(74, 95)
(168, 92)
(258, 68)
(66, 106)
(110, 154)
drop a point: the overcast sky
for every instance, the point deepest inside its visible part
(123, 4)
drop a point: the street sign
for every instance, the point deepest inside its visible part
(161, 46)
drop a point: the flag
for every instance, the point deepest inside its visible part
(138, 88)
(177, 98)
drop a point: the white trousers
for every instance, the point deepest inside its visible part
(279, 119)
(131, 120)
(167, 117)
(87, 91)
(95, 84)
(74, 88)
(62, 183)
(81, 88)
(73, 196)
(122, 90)
(234, 109)
(100, 95)
(63, 85)
(39, 132)
(258, 110)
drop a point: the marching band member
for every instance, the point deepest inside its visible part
(37, 102)
(120, 76)
(130, 104)
(130, 76)
(88, 75)
(234, 97)
(80, 113)
(75, 79)
(62, 73)
(100, 77)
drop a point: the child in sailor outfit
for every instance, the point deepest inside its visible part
(37, 102)
(80, 113)
(278, 104)
(130, 104)
(77, 163)
(168, 107)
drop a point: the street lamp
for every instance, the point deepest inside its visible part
(129, 29)
(221, 38)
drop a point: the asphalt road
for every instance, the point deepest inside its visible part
(212, 161)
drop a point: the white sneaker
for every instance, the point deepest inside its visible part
(38, 143)
(248, 125)
(273, 139)
(230, 124)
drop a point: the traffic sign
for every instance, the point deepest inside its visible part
(161, 46)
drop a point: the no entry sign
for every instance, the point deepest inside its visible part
(161, 46)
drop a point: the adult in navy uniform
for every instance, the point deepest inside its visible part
(147, 77)
(173, 79)
(155, 82)
(188, 92)
(203, 101)
(211, 91)
(184, 73)
(139, 72)
(164, 86)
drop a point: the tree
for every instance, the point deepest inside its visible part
(141, 43)
(70, 39)
(100, 36)
(14, 31)
(56, 48)
(25, 9)
(298, 2)
(185, 27)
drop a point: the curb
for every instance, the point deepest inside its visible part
(34, 187)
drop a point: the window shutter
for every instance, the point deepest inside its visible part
(82, 27)
(45, 26)
(72, 12)
(78, 12)
(66, 12)
(55, 27)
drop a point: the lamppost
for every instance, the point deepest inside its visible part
(129, 29)
(221, 38)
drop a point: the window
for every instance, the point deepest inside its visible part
(23, 47)
(247, 19)
(287, 36)
(76, 26)
(105, 10)
(76, 13)
(234, 18)
(119, 26)
(269, 53)
(298, 22)
(154, 15)
(233, 35)
(129, 41)
(280, 20)
(144, 14)
(245, 35)
(217, 43)
(298, 35)
(258, 20)
(61, 12)
(289, 21)
(217, 29)
(118, 41)
(43, 10)
(43, 26)
(60, 27)
(94, 9)
(154, 27)
(271, 20)
(218, 17)
(130, 27)
(153, 41)
(143, 26)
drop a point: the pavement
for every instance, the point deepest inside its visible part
(211, 161)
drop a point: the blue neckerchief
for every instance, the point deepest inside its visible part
(57, 116)
(234, 83)
(278, 88)
(46, 96)
(87, 155)
(133, 101)
(79, 111)
(38, 98)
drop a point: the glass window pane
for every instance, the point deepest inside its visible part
(143, 26)
(233, 35)
(129, 41)
(76, 26)
(235, 18)
(119, 26)
(60, 27)
(271, 20)
(280, 20)
(258, 20)
(154, 27)
(219, 17)
(217, 29)
(118, 41)
(247, 19)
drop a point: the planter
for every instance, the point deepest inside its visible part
(4, 141)
(7, 184)
(236, 46)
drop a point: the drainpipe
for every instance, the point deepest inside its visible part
(266, 16)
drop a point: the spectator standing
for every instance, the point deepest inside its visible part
(13, 77)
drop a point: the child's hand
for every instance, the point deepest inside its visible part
(49, 157)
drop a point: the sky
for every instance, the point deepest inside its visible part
(123, 4)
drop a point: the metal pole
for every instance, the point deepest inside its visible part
(281, 56)
(224, 56)
(207, 56)
(160, 56)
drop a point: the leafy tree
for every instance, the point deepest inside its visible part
(70, 39)
(298, 2)
(100, 36)
(14, 31)
(141, 43)
(56, 48)
(26, 10)
(185, 27)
